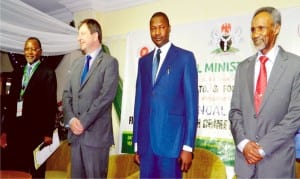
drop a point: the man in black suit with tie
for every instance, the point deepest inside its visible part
(31, 112)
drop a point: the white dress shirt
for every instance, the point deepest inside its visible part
(272, 54)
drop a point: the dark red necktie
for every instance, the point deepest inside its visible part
(261, 84)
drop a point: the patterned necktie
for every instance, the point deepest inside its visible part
(155, 65)
(86, 68)
(261, 83)
(26, 78)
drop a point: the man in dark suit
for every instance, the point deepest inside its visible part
(31, 110)
(265, 105)
(87, 104)
(166, 106)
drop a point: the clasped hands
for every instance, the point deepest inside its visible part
(251, 153)
(76, 126)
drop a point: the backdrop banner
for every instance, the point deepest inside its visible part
(218, 45)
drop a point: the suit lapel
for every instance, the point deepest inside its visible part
(147, 66)
(276, 73)
(78, 71)
(250, 77)
(35, 76)
(171, 55)
(93, 67)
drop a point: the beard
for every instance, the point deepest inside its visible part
(259, 44)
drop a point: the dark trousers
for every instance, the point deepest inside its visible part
(154, 166)
(16, 157)
(19, 150)
(88, 162)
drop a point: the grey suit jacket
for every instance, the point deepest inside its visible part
(91, 102)
(275, 126)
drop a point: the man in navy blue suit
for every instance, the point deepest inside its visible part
(166, 106)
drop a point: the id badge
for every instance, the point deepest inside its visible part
(19, 108)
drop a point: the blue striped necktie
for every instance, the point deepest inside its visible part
(86, 68)
(155, 65)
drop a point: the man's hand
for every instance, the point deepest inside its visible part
(76, 126)
(3, 141)
(251, 153)
(185, 160)
(136, 158)
(47, 140)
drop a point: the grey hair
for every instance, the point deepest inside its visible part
(276, 16)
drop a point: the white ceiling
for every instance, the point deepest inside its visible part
(64, 9)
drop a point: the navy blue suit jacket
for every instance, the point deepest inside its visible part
(166, 114)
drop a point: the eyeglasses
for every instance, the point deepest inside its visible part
(31, 49)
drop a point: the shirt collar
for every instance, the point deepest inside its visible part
(164, 49)
(271, 54)
(34, 64)
(95, 53)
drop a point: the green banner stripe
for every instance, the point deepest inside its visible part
(118, 99)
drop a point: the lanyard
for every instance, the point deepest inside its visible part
(27, 73)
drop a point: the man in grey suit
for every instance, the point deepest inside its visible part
(87, 104)
(264, 125)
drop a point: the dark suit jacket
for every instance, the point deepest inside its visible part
(91, 102)
(39, 108)
(278, 120)
(166, 114)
